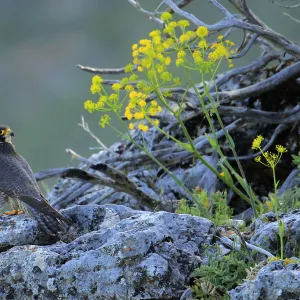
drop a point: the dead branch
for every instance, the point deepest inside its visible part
(120, 183)
(103, 71)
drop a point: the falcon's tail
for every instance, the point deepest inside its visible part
(53, 226)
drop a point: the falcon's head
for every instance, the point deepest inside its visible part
(5, 134)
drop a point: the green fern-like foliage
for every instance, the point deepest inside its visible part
(222, 275)
(211, 206)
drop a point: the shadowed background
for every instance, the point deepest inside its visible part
(41, 91)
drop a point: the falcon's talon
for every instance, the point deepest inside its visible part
(11, 213)
(21, 212)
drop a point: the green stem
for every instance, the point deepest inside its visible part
(144, 149)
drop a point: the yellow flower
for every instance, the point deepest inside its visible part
(113, 97)
(133, 77)
(183, 23)
(202, 44)
(173, 24)
(139, 115)
(97, 79)
(202, 31)
(135, 53)
(132, 94)
(95, 88)
(143, 127)
(129, 87)
(181, 53)
(166, 16)
(142, 103)
(129, 68)
(184, 38)
(229, 43)
(99, 105)
(176, 80)
(154, 33)
(134, 47)
(156, 39)
(156, 122)
(257, 142)
(124, 81)
(280, 149)
(222, 174)
(89, 106)
(257, 158)
(197, 56)
(166, 76)
(220, 37)
(154, 103)
(152, 111)
(116, 86)
(167, 60)
(159, 68)
(145, 42)
(131, 126)
(191, 34)
(128, 115)
(105, 120)
(140, 69)
(179, 62)
(136, 61)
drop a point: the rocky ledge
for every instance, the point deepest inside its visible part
(119, 253)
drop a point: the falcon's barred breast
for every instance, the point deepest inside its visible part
(19, 187)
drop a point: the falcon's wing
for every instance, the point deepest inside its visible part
(14, 179)
(27, 168)
(17, 181)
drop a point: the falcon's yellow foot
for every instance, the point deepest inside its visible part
(11, 213)
(21, 212)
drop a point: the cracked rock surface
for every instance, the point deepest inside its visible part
(119, 253)
(273, 282)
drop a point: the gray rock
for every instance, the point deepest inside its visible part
(119, 254)
(273, 282)
(266, 233)
(19, 230)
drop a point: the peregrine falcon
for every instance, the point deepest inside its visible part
(19, 187)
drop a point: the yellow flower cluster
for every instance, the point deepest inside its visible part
(257, 142)
(270, 159)
(152, 57)
(138, 109)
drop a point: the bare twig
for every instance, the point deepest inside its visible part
(236, 245)
(263, 86)
(150, 15)
(291, 17)
(246, 48)
(276, 38)
(285, 6)
(103, 71)
(86, 128)
(259, 116)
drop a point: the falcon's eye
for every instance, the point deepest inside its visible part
(2, 132)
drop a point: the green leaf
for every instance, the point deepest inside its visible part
(212, 142)
(186, 146)
(228, 177)
(241, 181)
